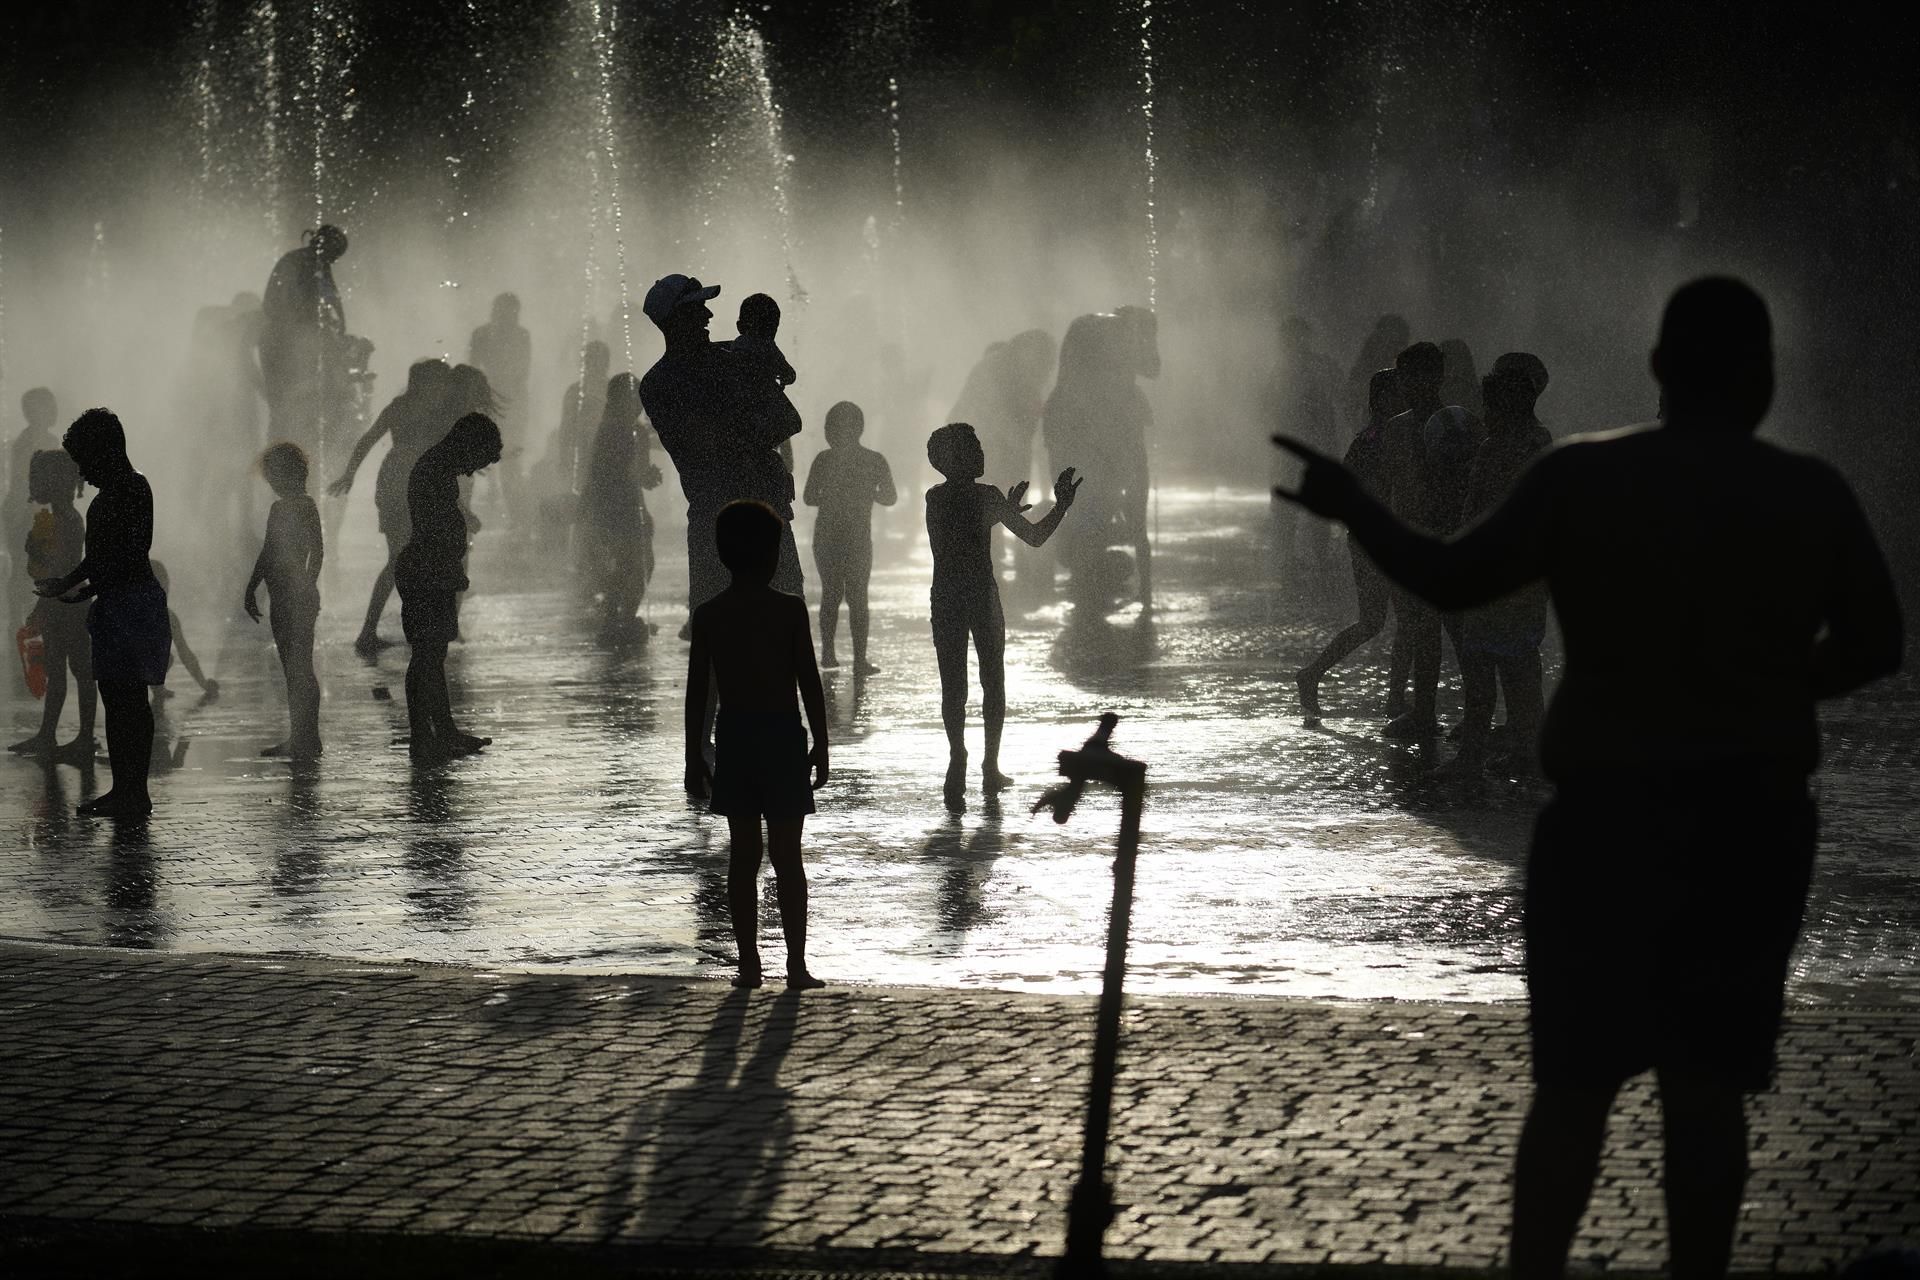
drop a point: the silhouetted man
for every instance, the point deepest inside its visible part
(1419, 492)
(722, 422)
(1710, 588)
(303, 338)
(503, 350)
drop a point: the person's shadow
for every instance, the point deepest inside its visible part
(435, 857)
(717, 1149)
(132, 919)
(300, 864)
(1101, 656)
(966, 859)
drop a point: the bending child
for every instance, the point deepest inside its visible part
(758, 646)
(430, 573)
(209, 687)
(961, 515)
(845, 482)
(55, 544)
(289, 565)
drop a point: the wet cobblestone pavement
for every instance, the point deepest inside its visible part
(1276, 860)
(863, 1127)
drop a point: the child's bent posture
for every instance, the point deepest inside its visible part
(430, 573)
(55, 544)
(289, 564)
(845, 482)
(961, 514)
(759, 647)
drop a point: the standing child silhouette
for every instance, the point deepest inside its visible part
(961, 515)
(757, 644)
(55, 543)
(289, 564)
(845, 482)
(430, 573)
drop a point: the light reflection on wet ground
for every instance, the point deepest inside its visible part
(1276, 860)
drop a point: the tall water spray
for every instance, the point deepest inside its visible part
(601, 21)
(742, 63)
(1150, 161)
(261, 36)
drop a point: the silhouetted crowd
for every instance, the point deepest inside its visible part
(1709, 588)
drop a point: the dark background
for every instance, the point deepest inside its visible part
(1801, 120)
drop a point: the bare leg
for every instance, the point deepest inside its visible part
(857, 615)
(1706, 1174)
(426, 679)
(369, 638)
(743, 894)
(990, 642)
(950, 648)
(832, 589)
(1553, 1176)
(790, 882)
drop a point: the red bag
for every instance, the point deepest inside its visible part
(33, 657)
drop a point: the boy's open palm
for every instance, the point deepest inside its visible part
(1066, 486)
(1017, 497)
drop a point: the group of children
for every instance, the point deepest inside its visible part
(752, 641)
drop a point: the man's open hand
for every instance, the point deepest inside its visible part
(1327, 488)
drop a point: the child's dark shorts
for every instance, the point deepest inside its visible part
(1661, 913)
(428, 616)
(761, 765)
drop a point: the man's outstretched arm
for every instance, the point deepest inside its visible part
(1503, 552)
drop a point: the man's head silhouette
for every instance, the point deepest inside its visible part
(1422, 369)
(677, 304)
(1714, 361)
(328, 242)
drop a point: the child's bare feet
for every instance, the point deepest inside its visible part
(992, 781)
(466, 744)
(803, 981)
(955, 791)
(369, 646)
(39, 744)
(274, 751)
(748, 979)
(78, 752)
(866, 668)
(828, 660)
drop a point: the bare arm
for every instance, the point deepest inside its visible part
(259, 575)
(1036, 532)
(1503, 552)
(188, 658)
(883, 491)
(382, 424)
(812, 696)
(699, 667)
(1864, 632)
(316, 539)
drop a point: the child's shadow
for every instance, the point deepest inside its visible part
(967, 858)
(1101, 656)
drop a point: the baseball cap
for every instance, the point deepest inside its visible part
(669, 293)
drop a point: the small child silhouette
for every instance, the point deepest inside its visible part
(961, 515)
(209, 687)
(756, 643)
(289, 565)
(845, 482)
(430, 573)
(55, 544)
(759, 325)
